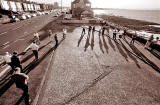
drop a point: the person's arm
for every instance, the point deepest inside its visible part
(27, 48)
(26, 76)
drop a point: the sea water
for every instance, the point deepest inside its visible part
(146, 15)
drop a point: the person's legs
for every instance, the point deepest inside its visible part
(26, 94)
(35, 54)
(56, 43)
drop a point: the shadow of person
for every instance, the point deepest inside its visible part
(121, 51)
(105, 44)
(87, 44)
(100, 43)
(130, 55)
(80, 39)
(92, 40)
(156, 54)
(111, 43)
(142, 57)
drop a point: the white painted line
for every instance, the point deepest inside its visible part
(17, 28)
(35, 102)
(6, 46)
(15, 41)
(5, 43)
(4, 71)
(3, 33)
(25, 33)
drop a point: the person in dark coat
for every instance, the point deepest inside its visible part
(15, 61)
(133, 39)
(21, 81)
(103, 30)
(124, 34)
(83, 30)
(56, 39)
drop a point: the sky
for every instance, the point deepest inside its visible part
(122, 4)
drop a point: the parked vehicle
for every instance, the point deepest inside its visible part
(23, 17)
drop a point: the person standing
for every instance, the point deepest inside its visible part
(133, 38)
(49, 34)
(7, 59)
(15, 61)
(36, 38)
(149, 41)
(114, 34)
(124, 34)
(64, 32)
(34, 47)
(83, 30)
(93, 29)
(21, 81)
(103, 30)
(56, 39)
(89, 29)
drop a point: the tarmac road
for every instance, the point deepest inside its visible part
(16, 36)
(95, 70)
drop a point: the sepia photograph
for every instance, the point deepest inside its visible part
(79, 52)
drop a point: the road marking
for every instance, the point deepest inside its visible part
(6, 46)
(16, 28)
(5, 43)
(3, 33)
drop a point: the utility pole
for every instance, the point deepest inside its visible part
(61, 6)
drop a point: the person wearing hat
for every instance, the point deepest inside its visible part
(21, 81)
(15, 61)
(7, 59)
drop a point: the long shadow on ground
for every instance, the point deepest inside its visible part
(105, 44)
(121, 51)
(142, 57)
(92, 40)
(80, 39)
(155, 53)
(111, 43)
(129, 54)
(100, 43)
(87, 43)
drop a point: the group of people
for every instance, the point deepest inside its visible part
(90, 28)
(17, 75)
(122, 34)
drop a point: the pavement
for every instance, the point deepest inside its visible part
(96, 70)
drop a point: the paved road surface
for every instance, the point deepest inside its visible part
(16, 36)
(94, 70)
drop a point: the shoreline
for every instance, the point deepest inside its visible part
(132, 24)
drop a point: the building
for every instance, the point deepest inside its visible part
(23, 6)
(81, 8)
